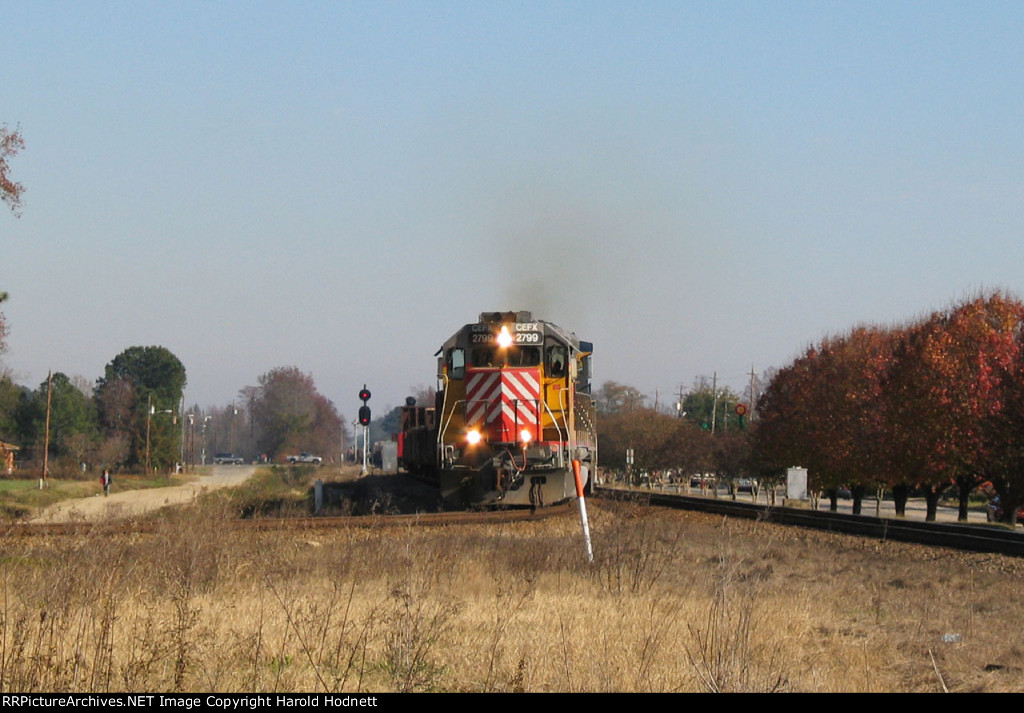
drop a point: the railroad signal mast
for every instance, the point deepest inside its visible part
(364, 421)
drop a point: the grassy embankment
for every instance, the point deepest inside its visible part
(673, 602)
(23, 497)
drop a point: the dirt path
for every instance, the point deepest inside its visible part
(136, 502)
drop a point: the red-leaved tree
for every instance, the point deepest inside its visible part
(11, 191)
(948, 402)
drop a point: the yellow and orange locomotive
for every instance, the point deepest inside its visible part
(513, 410)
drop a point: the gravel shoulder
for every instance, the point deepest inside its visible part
(132, 503)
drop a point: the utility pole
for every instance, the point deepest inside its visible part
(149, 416)
(46, 440)
(190, 452)
(753, 395)
(714, 399)
(181, 410)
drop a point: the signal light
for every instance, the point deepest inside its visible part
(364, 394)
(364, 415)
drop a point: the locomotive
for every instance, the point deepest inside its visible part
(513, 410)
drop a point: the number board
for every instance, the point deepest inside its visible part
(522, 333)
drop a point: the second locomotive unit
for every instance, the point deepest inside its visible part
(513, 410)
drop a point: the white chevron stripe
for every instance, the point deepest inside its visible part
(530, 379)
(515, 389)
(482, 387)
(509, 394)
(523, 410)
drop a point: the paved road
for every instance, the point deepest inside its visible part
(136, 502)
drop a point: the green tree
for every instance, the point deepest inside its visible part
(386, 426)
(73, 425)
(704, 399)
(139, 397)
(152, 371)
(10, 397)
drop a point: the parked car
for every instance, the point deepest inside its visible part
(306, 458)
(228, 459)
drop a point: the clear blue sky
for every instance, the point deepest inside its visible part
(339, 186)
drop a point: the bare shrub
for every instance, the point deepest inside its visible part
(415, 626)
(635, 555)
(512, 595)
(331, 640)
(188, 550)
(58, 626)
(726, 655)
(730, 651)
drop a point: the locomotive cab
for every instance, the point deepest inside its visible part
(513, 411)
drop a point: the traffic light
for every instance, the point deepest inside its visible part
(364, 394)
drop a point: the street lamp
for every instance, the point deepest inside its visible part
(206, 419)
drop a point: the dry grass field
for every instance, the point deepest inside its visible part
(674, 602)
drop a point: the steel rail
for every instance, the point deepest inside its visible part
(154, 524)
(975, 538)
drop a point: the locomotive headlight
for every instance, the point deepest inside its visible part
(473, 437)
(525, 436)
(504, 337)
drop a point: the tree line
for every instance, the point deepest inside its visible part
(129, 419)
(133, 419)
(932, 405)
(683, 442)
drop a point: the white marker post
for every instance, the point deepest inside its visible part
(583, 510)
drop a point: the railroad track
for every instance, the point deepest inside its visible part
(149, 525)
(975, 538)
